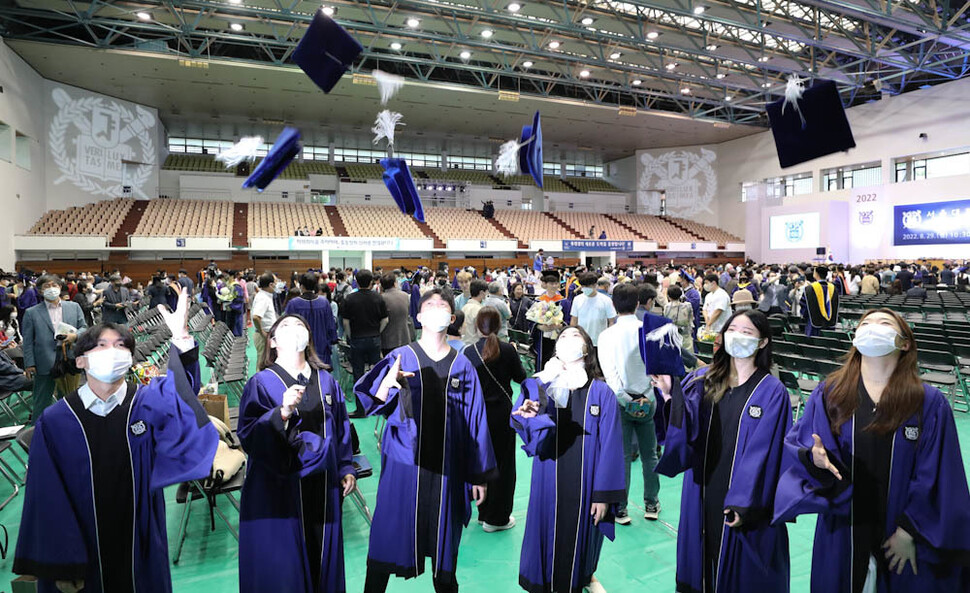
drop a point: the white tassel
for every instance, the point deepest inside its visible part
(387, 84)
(384, 126)
(244, 150)
(794, 89)
(507, 162)
(668, 335)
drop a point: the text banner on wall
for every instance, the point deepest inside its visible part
(597, 245)
(933, 223)
(344, 243)
(869, 221)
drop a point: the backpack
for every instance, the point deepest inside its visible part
(682, 314)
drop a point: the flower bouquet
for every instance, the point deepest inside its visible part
(226, 295)
(548, 314)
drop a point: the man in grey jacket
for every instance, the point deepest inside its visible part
(45, 325)
(398, 330)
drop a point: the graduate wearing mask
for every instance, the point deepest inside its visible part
(876, 457)
(436, 455)
(569, 422)
(318, 313)
(94, 513)
(293, 424)
(725, 431)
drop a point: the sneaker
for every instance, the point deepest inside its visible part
(622, 517)
(489, 528)
(651, 511)
(595, 587)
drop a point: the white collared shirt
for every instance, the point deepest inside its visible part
(98, 406)
(56, 312)
(619, 358)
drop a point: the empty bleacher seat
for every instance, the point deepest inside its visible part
(102, 219)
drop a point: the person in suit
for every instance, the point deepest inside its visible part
(41, 329)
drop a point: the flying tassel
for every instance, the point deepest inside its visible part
(387, 84)
(794, 89)
(384, 126)
(668, 335)
(244, 150)
(507, 162)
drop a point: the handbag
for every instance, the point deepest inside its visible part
(63, 361)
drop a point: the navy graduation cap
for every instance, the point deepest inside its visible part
(398, 180)
(660, 346)
(326, 51)
(530, 153)
(809, 124)
(284, 150)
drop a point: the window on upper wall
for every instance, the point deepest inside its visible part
(22, 151)
(550, 169)
(6, 142)
(470, 163)
(848, 177)
(931, 165)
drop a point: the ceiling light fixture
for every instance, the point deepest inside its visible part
(413, 23)
(235, 1)
(763, 59)
(653, 35)
(514, 7)
(720, 76)
(685, 91)
(396, 46)
(329, 10)
(671, 66)
(143, 16)
(527, 64)
(699, 10)
(728, 97)
(615, 55)
(765, 85)
(584, 74)
(554, 45)
(711, 47)
(637, 82)
(465, 55)
(487, 33)
(587, 20)
(236, 26)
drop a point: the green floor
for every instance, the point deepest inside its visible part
(643, 554)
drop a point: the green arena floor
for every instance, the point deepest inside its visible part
(643, 556)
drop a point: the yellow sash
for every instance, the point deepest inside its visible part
(824, 304)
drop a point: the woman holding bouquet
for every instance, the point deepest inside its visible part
(551, 313)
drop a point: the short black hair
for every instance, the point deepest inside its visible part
(455, 328)
(647, 292)
(49, 278)
(674, 292)
(309, 282)
(88, 340)
(266, 279)
(364, 278)
(388, 281)
(477, 287)
(625, 298)
(822, 271)
(712, 278)
(588, 279)
(445, 295)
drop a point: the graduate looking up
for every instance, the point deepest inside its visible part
(94, 511)
(293, 424)
(726, 426)
(569, 422)
(876, 456)
(435, 451)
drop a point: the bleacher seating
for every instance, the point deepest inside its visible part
(101, 219)
(549, 182)
(581, 221)
(273, 219)
(459, 175)
(588, 184)
(708, 233)
(530, 226)
(378, 221)
(197, 163)
(186, 218)
(458, 223)
(655, 228)
(364, 172)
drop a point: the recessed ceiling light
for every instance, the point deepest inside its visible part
(514, 7)
(637, 82)
(144, 16)
(587, 20)
(671, 66)
(236, 26)
(487, 33)
(553, 45)
(653, 35)
(711, 46)
(728, 97)
(720, 75)
(765, 85)
(465, 55)
(615, 55)
(527, 64)
(584, 74)
(395, 46)
(413, 23)
(699, 10)
(685, 91)
(329, 10)
(763, 59)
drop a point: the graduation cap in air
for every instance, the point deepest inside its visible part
(398, 180)
(660, 346)
(530, 153)
(284, 150)
(809, 123)
(326, 51)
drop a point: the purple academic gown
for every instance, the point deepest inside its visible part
(94, 508)
(238, 307)
(928, 498)
(423, 499)
(545, 348)
(413, 305)
(577, 459)
(753, 558)
(694, 298)
(290, 535)
(319, 315)
(28, 298)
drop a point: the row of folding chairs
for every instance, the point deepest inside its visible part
(226, 355)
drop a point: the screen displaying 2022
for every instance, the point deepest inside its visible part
(932, 224)
(794, 231)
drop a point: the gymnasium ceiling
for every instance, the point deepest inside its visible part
(694, 71)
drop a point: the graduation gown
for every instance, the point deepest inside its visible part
(820, 307)
(693, 297)
(423, 499)
(545, 348)
(577, 460)
(235, 318)
(319, 315)
(27, 299)
(94, 507)
(413, 305)
(290, 535)
(927, 497)
(753, 557)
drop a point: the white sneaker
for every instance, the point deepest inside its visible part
(595, 587)
(622, 518)
(489, 528)
(651, 512)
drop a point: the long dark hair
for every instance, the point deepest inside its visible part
(269, 353)
(902, 397)
(488, 324)
(717, 379)
(593, 370)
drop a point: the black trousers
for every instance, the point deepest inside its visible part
(497, 507)
(376, 582)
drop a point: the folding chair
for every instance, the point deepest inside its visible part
(364, 470)
(198, 489)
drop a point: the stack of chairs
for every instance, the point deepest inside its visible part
(226, 355)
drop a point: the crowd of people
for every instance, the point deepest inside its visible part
(434, 353)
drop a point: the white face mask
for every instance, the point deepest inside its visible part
(588, 290)
(875, 340)
(52, 294)
(292, 338)
(435, 320)
(570, 349)
(108, 365)
(739, 345)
